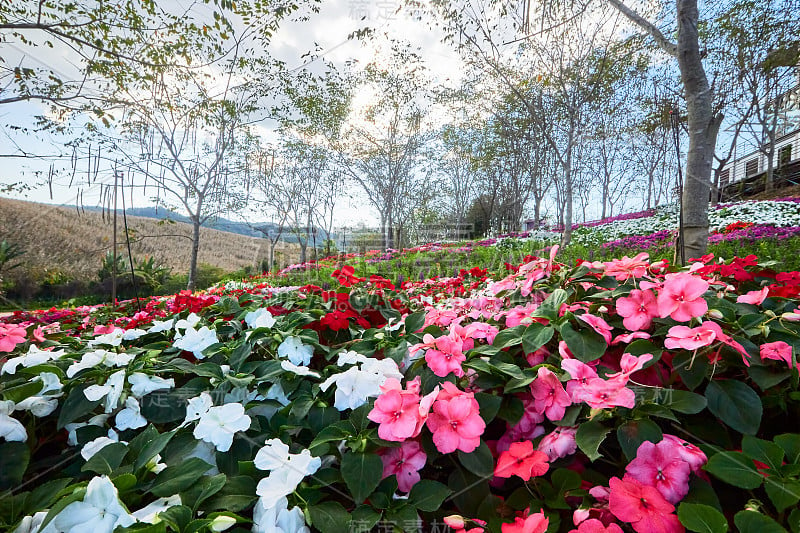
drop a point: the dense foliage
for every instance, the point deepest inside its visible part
(612, 394)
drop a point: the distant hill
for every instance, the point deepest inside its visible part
(221, 224)
(60, 240)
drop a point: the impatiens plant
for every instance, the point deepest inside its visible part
(612, 396)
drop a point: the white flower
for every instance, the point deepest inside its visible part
(72, 428)
(277, 518)
(187, 323)
(198, 406)
(272, 456)
(11, 429)
(112, 390)
(350, 358)
(155, 465)
(196, 341)
(33, 524)
(277, 393)
(92, 359)
(39, 406)
(356, 385)
(149, 513)
(143, 384)
(50, 383)
(130, 417)
(111, 339)
(161, 325)
(94, 446)
(293, 349)
(99, 512)
(219, 424)
(286, 470)
(221, 523)
(133, 334)
(260, 318)
(299, 370)
(34, 357)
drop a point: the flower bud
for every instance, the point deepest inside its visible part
(716, 314)
(221, 523)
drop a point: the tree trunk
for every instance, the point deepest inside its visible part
(567, 235)
(192, 282)
(703, 129)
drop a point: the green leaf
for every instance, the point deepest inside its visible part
(14, 458)
(783, 493)
(361, 473)
(107, 460)
(692, 370)
(363, 519)
(177, 478)
(736, 404)
(237, 494)
(535, 336)
(152, 448)
(414, 322)
(177, 517)
(585, 344)
(755, 522)
(479, 461)
(508, 337)
(736, 469)
(702, 518)
(550, 307)
(589, 437)
(790, 442)
(329, 434)
(765, 451)
(766, 378)
(428, 495)
(684, 401)
(204, 489)
(329, 517)
(489, 405)
(75, 406)
(632, 434)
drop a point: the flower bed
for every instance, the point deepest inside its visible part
(611, 396)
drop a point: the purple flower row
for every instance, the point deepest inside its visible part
(659, 239)
(626, 216)
(754, 233)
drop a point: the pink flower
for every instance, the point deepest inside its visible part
(630, 364)
(104, 330)
(642, 506)
(626, 267)
(598, 324)
(10, 336)
(537, 357)
(778, 351)
(606, 394)
(560, 443)
(405, 463)
(482, 330)
(690, 453)
(521, 460)
(527, 428)
(661, 466)
(455, 421)
(446, 357)
(726, 339)
(38, 334)
(688, 338)
(439, 318)
(628, 337)
(593, 525)
(638, 309)
(459, 524)
(401, 413)
(535, 523)
(682, 297)
(549, 395)
(753, 297)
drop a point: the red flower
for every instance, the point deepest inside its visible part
(642, 506)
(521, 460)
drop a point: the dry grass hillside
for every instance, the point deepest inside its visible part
(57, 239)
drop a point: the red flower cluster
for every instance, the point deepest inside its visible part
(346, 276)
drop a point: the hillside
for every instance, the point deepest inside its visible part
(59, 239)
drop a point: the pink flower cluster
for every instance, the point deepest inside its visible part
(10, 336)
(586, 386)
(451, 415)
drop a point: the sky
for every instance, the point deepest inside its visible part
(327, 31)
